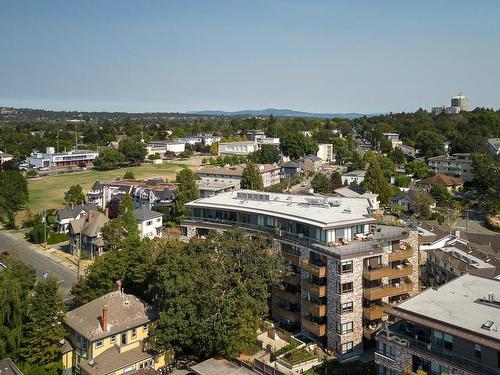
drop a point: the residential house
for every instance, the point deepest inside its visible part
(162, 147)
(492, 143)
(456, 165)
(205, 139)
(71, 212)
(357, 176)
(107, 336)
(101, 193)
(393, 138)
(150, 223)
(5, 157)
(346, 267)
(452, 184)
(348, 193)
(410, 152)
(325, 152)
(291, 168)
(407, 199)
(85, 233)
(452, 329)
(311, 164)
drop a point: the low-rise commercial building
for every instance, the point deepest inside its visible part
(270, 174)
(357, 176)
(325, 152)
(456, 165)
(243, 148)
(206, 139)
(61, 159)
(346, 268)
(453, 329)
(162, 147)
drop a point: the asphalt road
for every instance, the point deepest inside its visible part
(41, 263)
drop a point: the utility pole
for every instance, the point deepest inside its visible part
(79, 251)
(45, 228)
(58, 139)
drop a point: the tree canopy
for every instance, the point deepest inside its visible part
(74, 195)
(251, 178)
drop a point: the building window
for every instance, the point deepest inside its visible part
(346, 267)
(477, 351)
(124, 339)
(345, 307)
(346, 348)
(134, 333)
(145, 328)
(344, 328)
(98, 344)
(112, 339)
(448, 342)
(150, 222)
(344, 288)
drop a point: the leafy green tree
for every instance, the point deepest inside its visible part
(129, 175)
(441, 194)
(74, 195)
(487, 178)
(126, 204)
(38, 231)
(134, 152)
(418, 169)
(397, 156)
(385, 145)
(376, 182)
(13, 194)
(356, 162)
(296, 145)
(429, 143)
(43, 329)
(402, 181)
(251, 178)
(214, 149)
(321, 183)
(387, 166)
(267, 154)
(187, 191)
(109, 158)
(422, 204)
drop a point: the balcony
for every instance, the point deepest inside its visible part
(318, 290)
(314, 308)
(318, 270)
(285, 314)
(292, 280)
(373, 294)
(390, 272)
(317, 330)
(400, 254)
(291, 258)
(287, 296)
(374, 312)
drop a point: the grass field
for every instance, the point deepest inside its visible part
(48, 192)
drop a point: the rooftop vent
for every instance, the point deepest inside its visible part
(488, 325)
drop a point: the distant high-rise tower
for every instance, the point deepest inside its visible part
(462, 102)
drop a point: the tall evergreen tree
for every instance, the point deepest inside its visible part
(43, 329)
(187, 191)
(376, 182)
(251, 178)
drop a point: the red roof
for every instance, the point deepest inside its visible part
(441, 179)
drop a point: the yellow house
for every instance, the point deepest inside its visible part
(107, 336)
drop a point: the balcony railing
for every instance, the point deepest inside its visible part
(313, 269)
(292, 280)
(287, 296)
(316, 329)
(352, 247)
(374, 312)
(291, 258)
(290, 315)
(314, 308)
(318, 290)
(390, 272)
(372, 294)
(400, 254)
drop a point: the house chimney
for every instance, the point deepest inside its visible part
(71, 205)
(106, 212)
(118, 285)
(457, 233)
(90, 216)
(104, 318)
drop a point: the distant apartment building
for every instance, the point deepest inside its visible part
(162, 147)
(462, 102)
(325, 152)
(50, 158)
(206, 139)
(270, 174)
(245, 148)
(255, 134)
(453, 329)
(393, 138)
(456, 165)
(346, 268)
(210, 188)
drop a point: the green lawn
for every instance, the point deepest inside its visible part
(48, 192)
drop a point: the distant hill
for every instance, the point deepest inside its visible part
(280, 113)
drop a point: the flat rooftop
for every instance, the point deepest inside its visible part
(461, 303)
(213, 366)
(319, 211)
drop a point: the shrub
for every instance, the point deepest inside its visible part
(55, 237)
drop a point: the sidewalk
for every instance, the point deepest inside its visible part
(52, 253)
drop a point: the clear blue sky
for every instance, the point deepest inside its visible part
(323, 56)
